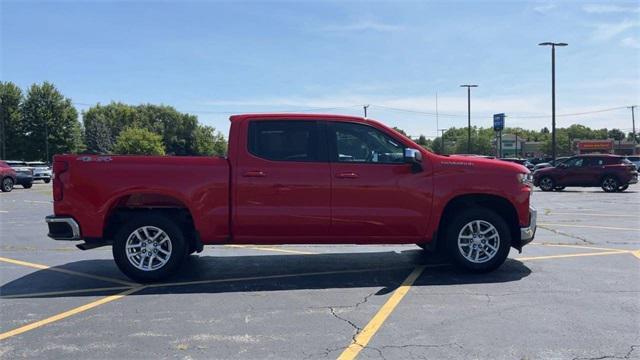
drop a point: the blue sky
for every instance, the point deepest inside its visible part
(216, 58)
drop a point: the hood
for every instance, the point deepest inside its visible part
(480, 163)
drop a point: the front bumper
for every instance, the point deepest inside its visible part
(527, 233)
(24, 179)
(63, 228)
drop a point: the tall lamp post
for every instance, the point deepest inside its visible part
(553, 95)
(469, 115)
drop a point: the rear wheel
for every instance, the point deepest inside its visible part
(7, 184)
(610, 184)
(46, 181)
(547, 184)
(478, 239)
(149, 248)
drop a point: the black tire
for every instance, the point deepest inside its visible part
(178, 251)
(623, 188)
(559, 188)
(27, 186)
(610, 184)
(46, 181)
(547, 184)
(7, 184)
(485, 216)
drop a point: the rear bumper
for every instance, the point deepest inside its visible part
(527, 233)
(63, 228)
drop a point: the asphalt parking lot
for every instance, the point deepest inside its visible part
(572, 294)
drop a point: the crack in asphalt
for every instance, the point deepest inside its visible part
(627, 356)
(562, 233)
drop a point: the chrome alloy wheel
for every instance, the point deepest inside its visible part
(148, 248)
(546, 184)
(478, 241)
(610, 184)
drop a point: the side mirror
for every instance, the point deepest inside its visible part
(413, 157)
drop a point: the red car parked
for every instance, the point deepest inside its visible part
(293, 179)
(8, 177)
(611, 172)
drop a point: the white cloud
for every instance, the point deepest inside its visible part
(608, 31)
(363, 25)
(631, 42)
(605, 8)
(544, 7)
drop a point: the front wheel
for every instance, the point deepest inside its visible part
(478, 240)
(610, 184)
(7, 184)
(149, 248)
(46, 181)
(547, 184)
(27, 186)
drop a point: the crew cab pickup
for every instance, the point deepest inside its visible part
(293, 179)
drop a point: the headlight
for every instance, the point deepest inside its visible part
(526, 179)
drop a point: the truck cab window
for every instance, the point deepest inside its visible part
(365, 144)
(285, 140)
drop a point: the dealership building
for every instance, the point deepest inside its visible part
(608, 146)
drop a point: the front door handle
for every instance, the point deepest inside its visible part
(255, 173)
(347, 175)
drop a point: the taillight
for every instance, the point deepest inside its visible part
(59, 167)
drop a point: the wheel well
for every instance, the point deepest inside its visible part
(500, 205)
(131, 205)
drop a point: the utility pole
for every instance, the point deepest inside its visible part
(46, 139)
(2, 136)
(437, 125)
(633, 123)
(469, 116)
(516, 153)
(365, 107)
(553, 95)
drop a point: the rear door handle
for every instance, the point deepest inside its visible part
(347, 175)
(255, 173)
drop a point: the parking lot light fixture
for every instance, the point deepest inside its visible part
(553, 94)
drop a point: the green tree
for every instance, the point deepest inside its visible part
(51, 124)
(208, 141)
(136, 141)
(103, 124)
(11, 125)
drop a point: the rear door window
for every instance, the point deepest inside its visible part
(286, 140)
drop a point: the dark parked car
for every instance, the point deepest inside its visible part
(523, 162)
(550, 163)
(7, 177)
(611, 172)
(635, 159)
(24, 173)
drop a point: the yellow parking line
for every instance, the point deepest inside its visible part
(281, 276)
(63, 292)
(583, 213)
(68, 313)
(528, 258)
(580, 247)
(636, 253)
(65, 271)
(362, 339)
(265, 248)
(590, 227)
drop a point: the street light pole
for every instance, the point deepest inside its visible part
(365, 107)
(633, 122)
(442, 140)
(553, 94)
(468, 116)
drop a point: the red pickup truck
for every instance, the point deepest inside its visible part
(293, 179)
